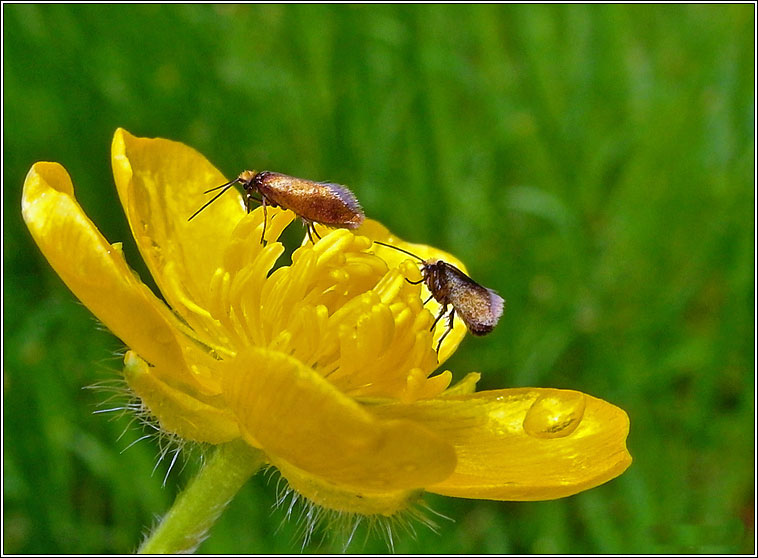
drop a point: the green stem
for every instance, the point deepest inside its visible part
(196, 509)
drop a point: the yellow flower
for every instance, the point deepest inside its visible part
(326, 365)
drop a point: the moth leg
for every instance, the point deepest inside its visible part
(310, 228)
(249, 199)
(263, 234)
(448, 330)
(313, 229)
(442, 313)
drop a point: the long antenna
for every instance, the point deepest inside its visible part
(217, 196)
(223, 185)
(399, 250)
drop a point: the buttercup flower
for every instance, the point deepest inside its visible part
(326, 366)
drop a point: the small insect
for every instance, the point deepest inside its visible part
(314, 202)
(480, 308)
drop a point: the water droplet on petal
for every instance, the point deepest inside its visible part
(555, 415)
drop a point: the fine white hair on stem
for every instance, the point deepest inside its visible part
(120, 400)
(314, 523)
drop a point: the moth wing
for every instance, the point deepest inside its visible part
(344, 195)
(480, 308)
(316, 202)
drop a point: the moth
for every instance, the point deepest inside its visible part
(325, 203)
(478, 307)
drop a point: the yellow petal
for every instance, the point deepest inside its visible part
(94, 270)
(524, 444)
(161, 184)
(177, 411)
(376, 231)
(298, 416)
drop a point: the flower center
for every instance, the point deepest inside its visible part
(337, 308)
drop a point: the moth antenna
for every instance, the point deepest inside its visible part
(217, 196)
(399, 250)
(236, 180)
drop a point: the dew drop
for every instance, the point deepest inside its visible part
(555, 415)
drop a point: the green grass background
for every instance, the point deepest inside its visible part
(594, 164)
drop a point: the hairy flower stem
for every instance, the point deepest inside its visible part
(196, 509)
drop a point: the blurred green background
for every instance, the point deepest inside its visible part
(594, 164)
